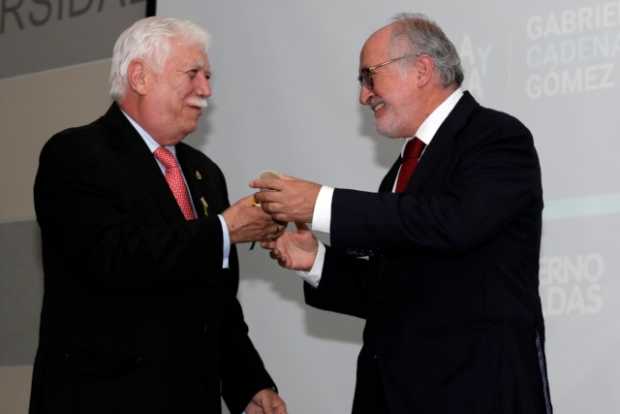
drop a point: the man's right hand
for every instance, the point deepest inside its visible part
(247, 222)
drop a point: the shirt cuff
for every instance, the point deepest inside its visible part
(313, 276)
(226, 241)
(322, 215)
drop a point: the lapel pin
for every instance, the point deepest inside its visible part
(198, 175)
(205, 206)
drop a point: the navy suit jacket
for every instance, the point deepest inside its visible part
(138, 314)
(450, 292)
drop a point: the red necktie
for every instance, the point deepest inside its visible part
(175, 181)
(412, 152)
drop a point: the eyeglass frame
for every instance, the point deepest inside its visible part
(366, 74)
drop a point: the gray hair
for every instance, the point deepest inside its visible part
(149, 39)
(426, 37)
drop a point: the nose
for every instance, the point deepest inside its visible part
(365, 95)
(202, 85)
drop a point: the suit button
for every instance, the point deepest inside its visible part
(205, 328)
(139, 360)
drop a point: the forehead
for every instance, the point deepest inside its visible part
(377, 48)
(187, 54)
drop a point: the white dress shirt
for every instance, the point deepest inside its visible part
(153, 145)
(322, 215)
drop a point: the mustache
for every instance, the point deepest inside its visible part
(374, 101)
(197, 101)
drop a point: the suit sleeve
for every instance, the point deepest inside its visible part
(344, 285)
(88, 224)
(494, 178)
(242, 370)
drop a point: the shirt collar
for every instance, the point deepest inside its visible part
(148, 139)
(431, 124)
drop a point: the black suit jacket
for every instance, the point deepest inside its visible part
(450, 293)
(138, 314)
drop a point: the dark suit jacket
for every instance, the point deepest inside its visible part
(450, 293)
(138, 314)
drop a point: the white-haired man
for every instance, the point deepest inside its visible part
(140, 312)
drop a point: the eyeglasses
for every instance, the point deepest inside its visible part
(366, 74)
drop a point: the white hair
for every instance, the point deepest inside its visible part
(149, 39)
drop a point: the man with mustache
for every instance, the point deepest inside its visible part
(140, 312)
(442, 262)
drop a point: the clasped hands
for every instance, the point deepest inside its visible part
(264, 215)
(287, 199)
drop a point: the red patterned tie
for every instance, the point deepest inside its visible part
(412, 152)
(175, 181)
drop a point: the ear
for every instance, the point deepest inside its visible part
(138, 76)
(425, 69)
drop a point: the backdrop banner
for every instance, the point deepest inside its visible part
(285, 97)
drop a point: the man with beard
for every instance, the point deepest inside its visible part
(442, 262)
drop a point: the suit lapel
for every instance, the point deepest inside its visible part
(387, 184)
(440, 147)
(146, 176)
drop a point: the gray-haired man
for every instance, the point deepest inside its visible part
(442, 262)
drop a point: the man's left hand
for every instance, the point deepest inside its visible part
(287, 199)
(295, 250)
(266, 401)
